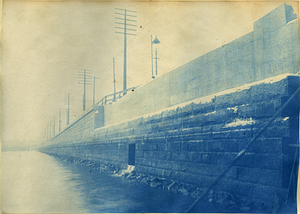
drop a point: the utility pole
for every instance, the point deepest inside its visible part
(124, 18)
(85, 79)
(114, 80)
(94, 90)
(59, 120)
(156, 60)
(50, 130)
(68, 110)
(54, 127)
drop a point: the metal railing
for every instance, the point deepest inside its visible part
(114, 97)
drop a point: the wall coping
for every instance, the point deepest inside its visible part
(208, 98)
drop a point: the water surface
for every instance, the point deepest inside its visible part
(33, 182)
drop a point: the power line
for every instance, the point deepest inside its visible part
(68, 110)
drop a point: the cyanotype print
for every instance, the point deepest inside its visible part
(150, 107)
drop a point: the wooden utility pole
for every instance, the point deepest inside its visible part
(59, 120)
(125, 25)
(85, 79)
(68, 110)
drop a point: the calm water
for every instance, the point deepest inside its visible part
(34, 182)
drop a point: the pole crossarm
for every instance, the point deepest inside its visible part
(82, 73)
(126, 19)
(126, 33)
(126, 28)
(125, 14)
(87, 74)
(84, 76)
(85, 80)
(126, 10)
(126, 24)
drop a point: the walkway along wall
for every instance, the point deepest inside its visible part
(195, 141)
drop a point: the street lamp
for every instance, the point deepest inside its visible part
(155, 41)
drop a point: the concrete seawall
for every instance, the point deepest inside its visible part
(193, 142)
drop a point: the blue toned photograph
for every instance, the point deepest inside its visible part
(150, 107)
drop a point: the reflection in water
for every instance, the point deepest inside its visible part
(36, 182)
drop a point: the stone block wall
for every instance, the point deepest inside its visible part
(77, 132)
(82, 129)
(194, 142)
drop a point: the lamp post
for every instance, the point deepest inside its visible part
(156, 61)
(155, 41)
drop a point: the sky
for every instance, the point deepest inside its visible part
(44, 44)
